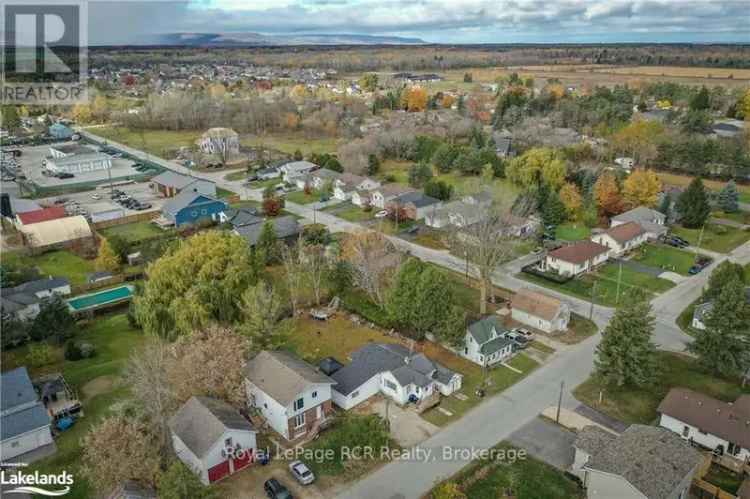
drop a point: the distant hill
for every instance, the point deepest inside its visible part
(238, 39)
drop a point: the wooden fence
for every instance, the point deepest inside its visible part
(708, 490)
(90, 286)
(129, 219)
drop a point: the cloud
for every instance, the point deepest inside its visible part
(452, 21)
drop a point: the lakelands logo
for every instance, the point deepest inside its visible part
(44, 51)
(50, 485)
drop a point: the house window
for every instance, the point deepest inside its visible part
(265, 406)
(391, 385)
(354, 395)
(14, 444)
(228, 442)
(685, 431)
(314, 394)
(299, 420)
(204, 211)
(299, 404)
(194, 213)
(733, 449)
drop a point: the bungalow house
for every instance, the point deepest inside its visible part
(190, 207)
(24, 422)
(239, 217)
(394, 371)
(621, 239)
(701, 312)
(293, 170)
(318, 179)
(416, 205)
(347, 184)
(286, 229)
(268, 173)
(644, 462)
(40, 215)
(23, 301)
(719, 426)
(485, 342)
(481, 199)
(652, 221)
(456, 213)
(169, 184)
(292, 396)
(212, 438)
(382, 195)
(576, 258)
(540, 311)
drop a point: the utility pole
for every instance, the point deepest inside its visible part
(700, 240)
(619, 278)
(593, 293)
(559, 402)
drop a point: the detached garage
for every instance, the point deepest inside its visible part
(212, 438)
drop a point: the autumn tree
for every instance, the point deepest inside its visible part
(262, 311)
(535, 166)
(369, 82)
(116, 449)
(316, 267)
(372, 261)
(416, 99)
(179, 482)
(639, 140)
(641, 188)
(448, 490)
(607, 194)
(107, 259)
(295, 270)
(196, 284)
(571, 198)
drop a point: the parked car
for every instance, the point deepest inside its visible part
(96, 196)
(381, 214)
(525, 332)
(62, 175)
(518, 339)
(275, 490)
(301, 472)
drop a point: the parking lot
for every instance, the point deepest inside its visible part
(98, 200)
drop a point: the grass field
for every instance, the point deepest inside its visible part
(289, 143)
(719, 238)
(579, 328)
(157, 142)
(572, 232)
(741, 217)
(300, 197)
(236, 175)
(97, 382)
(132, 233)
(398, 169)
(350, 212)
(55, 263)
(430, 238)
(638, 405)
(516, 475)
(666, 258)
(714, 185)
(262, 184)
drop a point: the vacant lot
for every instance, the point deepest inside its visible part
(301, 197)
(579, 328)
(290, 143)
(572, 232)
(665, 257)
(157, 142)
(55, 263)
(719, 238)
(134, 232)
(714, 185)
(638, 405)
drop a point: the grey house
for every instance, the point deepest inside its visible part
(25, 423)
(286, 228)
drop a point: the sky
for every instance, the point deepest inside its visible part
(435, 21)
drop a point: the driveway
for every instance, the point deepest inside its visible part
(407, 427)
(248, 483)
(547, 442)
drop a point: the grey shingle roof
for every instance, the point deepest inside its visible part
(407, 376)
(591, 439)
(653, 460)
(494, 345)
(242, 216)
(173, 179)
(16, 388)
(36, 286)
(482, 329)
(282, 375)
(16, 391)
(416, 198)
(24, 421)
(201, 422)
(283, 226)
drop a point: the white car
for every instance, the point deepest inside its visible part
(528, 334)
(96, 197)
(381, 214)
(301, 472)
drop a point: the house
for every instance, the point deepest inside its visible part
(169, 184)
(59, 131)
(382, 195)
(644, 462)
(652, 221)
(296, 169)
(394, 371)
(40, 215)
(719, 426)
(518, 226)
(625, 163)
(701, 312)
(318, 179)
(485, 342)
(24, 422)
(191, 207)
(347, 184)
(292, 396)
(268, 173)
(286, 228)
(503, 147)
(415, 205)
(76, 158)
(23, 301)
(239, 217)
(212, 438)
(456, 213)
(540, 311)
(576, 258)
(223, 142)
(622, 238)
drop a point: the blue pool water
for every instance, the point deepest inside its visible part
(94, 300)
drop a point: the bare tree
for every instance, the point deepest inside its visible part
(317, 266)
(294, 271)
(373, 259)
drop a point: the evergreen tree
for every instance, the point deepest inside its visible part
(626, 356)
(700, 101)
(724, 346)
(298, 155)
(54, 320)
(268, 242)
(723, 274)
(729, 198)
(438, 189)
(444, 157)
(373, 165)
(665, 205)
(554, 211)
(693, 205)
(419, 174)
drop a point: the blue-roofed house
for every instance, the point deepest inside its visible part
(190, 207)
(485, 342)
(394, 371)
(60, 131)
(25, 423)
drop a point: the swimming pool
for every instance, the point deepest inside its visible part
(105, 297)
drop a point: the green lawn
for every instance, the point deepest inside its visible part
(135, 232)
(157, 142)
(719, 238)
(55, 263)
(522, 476)
(579, 328)
(300, 197)
(726, 480)
(350, 212)
(638, 405)
(224, 193)
(114, 341)
(399, 170)
(236, 175)
(430, 238)
(741, 217)
(665, 257)
(572, 232)
(263, 184)
(289, 143)
(630, 277)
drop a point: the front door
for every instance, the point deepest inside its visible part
(319, 412)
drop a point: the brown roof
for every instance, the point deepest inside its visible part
(728, 421)
(625, 232)
(537, 304)
(42, 215)
(578, 252)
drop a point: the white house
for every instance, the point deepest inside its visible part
(394, 371)
(289, 393)
(644, 462)
(718, 426)
(318, 179)
(23, 301)
(485, 342)
(347, 184)
(652, 221)
(24, 422)
(212, 438)
(385, 193)
(75, 158)
(293, 170)
(621, 239)
(576, 258)
(540, 311)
